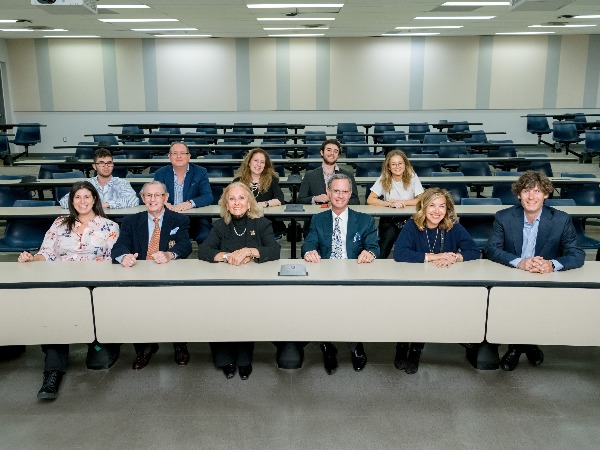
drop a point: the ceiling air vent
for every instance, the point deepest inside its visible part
(538, 5)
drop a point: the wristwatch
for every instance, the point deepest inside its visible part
(225, 257)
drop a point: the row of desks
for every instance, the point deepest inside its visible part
(468, 302)
(286, 212)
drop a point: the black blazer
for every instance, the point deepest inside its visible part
(313, 184)
(259, 235)
(133, 238)
(556, 238)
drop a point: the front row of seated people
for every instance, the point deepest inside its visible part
(530, 237)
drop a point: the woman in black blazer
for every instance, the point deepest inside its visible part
(241, 235)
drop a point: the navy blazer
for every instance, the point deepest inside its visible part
(196, 186)
(134, 238)
(361, 235)
(556, 237)
(313, 184)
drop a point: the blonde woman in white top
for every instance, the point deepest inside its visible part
(397, 187)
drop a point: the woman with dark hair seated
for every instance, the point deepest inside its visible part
(84, 235)
(258, 173)
(433, 235)
(241, 235)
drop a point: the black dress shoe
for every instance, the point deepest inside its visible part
(49, 390)
(143, 358)
(359, 358)
(229, 370)
(329, 357)
(412, 360)
(535, 355)
(182, 356)
(245, 371)
(510, 360)
(102, 356)
(401, 355)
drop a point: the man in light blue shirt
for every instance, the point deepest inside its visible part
(114, 192)
(535, 238)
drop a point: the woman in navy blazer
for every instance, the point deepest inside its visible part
(433, 235)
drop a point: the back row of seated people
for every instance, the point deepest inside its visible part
(432, 235)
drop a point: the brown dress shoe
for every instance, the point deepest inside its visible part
(143, 358)
(182, 356)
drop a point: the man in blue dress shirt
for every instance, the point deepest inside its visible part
(535, 238)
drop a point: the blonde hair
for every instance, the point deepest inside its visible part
(254, 211)
(386, 173)
(245, 175)
(425, 200)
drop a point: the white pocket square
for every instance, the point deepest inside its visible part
(174, 231)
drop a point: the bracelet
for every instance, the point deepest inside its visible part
(267, 204)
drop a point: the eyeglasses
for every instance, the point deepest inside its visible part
(394, 165)
(340, 192)
(176, 154)
(107, 164)
(150, 196)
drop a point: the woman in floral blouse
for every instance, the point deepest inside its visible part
(84, 235)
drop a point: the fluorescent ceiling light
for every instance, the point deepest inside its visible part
(592, 16)
(529, 32)
(297, 35)
(56, 29)
(476, 4)
(16, 29)
(295, 28)
(182, 35)
(431, 27)
(72, 37)
(8, 21)
(296, 18)
(455, 18)
(136, 20)
(560, 26)
(294, 5)
(164, 29)
(410, 34)
(122, 6)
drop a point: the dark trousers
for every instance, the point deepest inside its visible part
(139, 348)
(415, 345)
(388, 233)
(57, 356)
(238, 353)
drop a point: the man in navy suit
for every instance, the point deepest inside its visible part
(341, 233)
(188, 186)
(136, 242)
(535, 238)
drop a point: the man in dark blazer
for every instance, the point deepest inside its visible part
(535, 238)
(188, 186)
(135, 242)
(354, 236)
(313, 189)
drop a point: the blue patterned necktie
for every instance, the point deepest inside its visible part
(336, 241)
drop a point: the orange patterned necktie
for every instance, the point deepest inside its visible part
(154, 240)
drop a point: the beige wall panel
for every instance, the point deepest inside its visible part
(450, 73)
(303, 77)
(571, 75)
(23, 75)
(130, 74)
(196, 75)
(518, 72)
(77, 75)
(371, 74)
(263, 75)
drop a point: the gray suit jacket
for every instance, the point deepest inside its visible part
(313, 184)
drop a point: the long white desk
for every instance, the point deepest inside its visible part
(192, 300)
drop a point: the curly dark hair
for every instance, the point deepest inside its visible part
(531, 179)
(70, 220)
